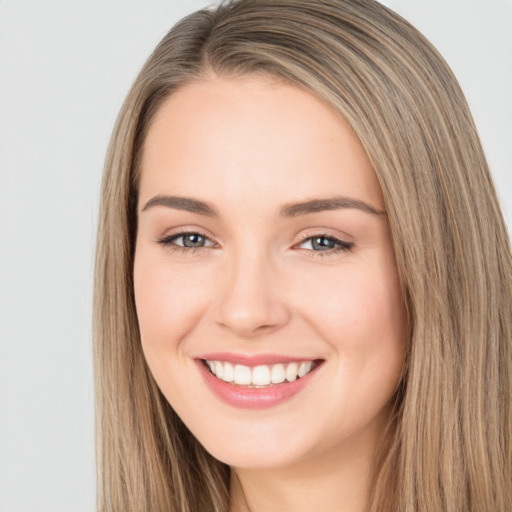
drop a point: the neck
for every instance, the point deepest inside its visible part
(331, 481)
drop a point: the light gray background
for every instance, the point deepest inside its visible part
(65, 67)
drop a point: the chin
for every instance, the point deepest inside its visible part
(249, 458)
(255, 450)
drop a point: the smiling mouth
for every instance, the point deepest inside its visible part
(261, 376)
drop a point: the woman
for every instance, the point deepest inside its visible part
(303, 278)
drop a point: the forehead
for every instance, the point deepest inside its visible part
(238, 138)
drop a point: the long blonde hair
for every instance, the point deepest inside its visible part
(450, 448)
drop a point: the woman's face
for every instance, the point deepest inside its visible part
(263, 253)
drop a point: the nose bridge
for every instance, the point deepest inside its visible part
(251, 301)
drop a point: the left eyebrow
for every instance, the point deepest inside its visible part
(320, 205)
(182, 203)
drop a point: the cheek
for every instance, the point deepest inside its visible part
(168, 303)
(362, 316)
(360, 313)
(361, 306)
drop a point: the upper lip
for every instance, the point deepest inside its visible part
(253, 359)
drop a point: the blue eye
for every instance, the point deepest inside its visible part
(191, 240)
(184, 241)
(324, 243)
(319, 244)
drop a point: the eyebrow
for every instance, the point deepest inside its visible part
(333, 203)
(294, 209)
(182, 203)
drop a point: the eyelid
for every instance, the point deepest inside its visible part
(184, 230)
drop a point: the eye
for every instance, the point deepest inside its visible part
(185, 241)
(191, 240)
(325, 243)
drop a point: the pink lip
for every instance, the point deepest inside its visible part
(253, 398)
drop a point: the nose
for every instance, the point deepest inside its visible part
(251, 302)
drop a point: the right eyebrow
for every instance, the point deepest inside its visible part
(332, 203)
(182, 203)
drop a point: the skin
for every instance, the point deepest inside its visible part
(247, 146)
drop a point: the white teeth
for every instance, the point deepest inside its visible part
(291, 372)
(228, 374)
(262, 375)
(304, 368)
(219, 369)
(277, 374)
(242, 375)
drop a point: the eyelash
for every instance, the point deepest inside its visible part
(168, 242)
(342, 245)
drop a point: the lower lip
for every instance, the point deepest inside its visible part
(254, 398)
